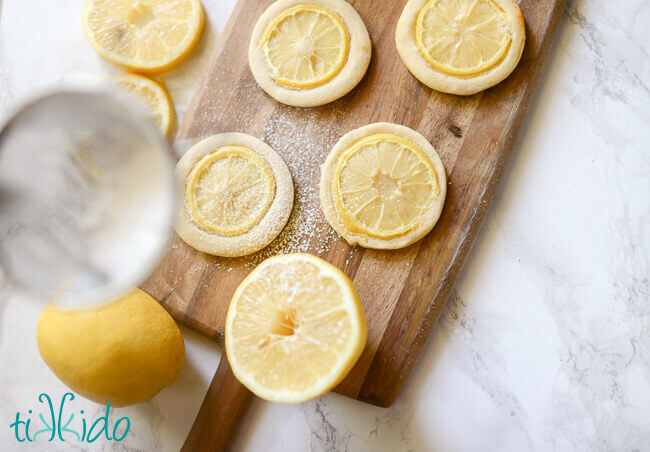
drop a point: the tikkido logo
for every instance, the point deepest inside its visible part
(51, 426)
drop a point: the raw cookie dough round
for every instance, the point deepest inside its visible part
(237, 195)
(383, 186)
(309, 52)
(460, 46)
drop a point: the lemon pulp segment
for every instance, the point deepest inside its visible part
(383, 185)
(152, 96)
(230, 190)
(295, 328)
(144, 35)
(462, 37)
(305, 46)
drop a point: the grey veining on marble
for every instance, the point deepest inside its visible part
(545, 343)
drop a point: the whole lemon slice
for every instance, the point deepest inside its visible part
(462, 37)
(294, 329)
(305, 46)
(149, 36)
(152, 96)
(383, 186)
(230, 190)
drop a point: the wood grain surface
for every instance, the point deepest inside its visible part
(403, 292)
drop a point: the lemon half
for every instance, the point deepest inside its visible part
(383, 186)
(294, 328)
(305, 46)
(462, 37)
(230, 191)
(149, 36)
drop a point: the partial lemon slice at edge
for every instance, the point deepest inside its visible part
(153, 96)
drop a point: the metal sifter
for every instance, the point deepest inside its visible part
(87, 197)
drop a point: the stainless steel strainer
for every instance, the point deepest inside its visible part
(87, 197)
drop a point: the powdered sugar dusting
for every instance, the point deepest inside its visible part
(303, 137)
(303, 149)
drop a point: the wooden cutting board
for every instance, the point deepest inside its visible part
(403, 292)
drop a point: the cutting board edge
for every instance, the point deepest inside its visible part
(388, 397)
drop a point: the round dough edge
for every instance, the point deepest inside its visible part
(327, 174)
(437, 80)
(262, 233)
(346, 80)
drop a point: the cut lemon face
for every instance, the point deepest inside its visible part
(462, 37)
(152, 96)
(230, 190)
(306, 46)
(383, 185)
(149, 36)
(294, 329)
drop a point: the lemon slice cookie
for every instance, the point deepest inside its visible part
(294, 328)
(383, 186)
(149, 36)
(309, 52)
(460, 46)
(238, 195)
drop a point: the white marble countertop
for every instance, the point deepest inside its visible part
(545, 344)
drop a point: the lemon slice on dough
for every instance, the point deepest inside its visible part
(237, 195)
(309, 53)
(460, 46)
(462, 37)
(305, 46)
(382, 186)
(230, 190)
